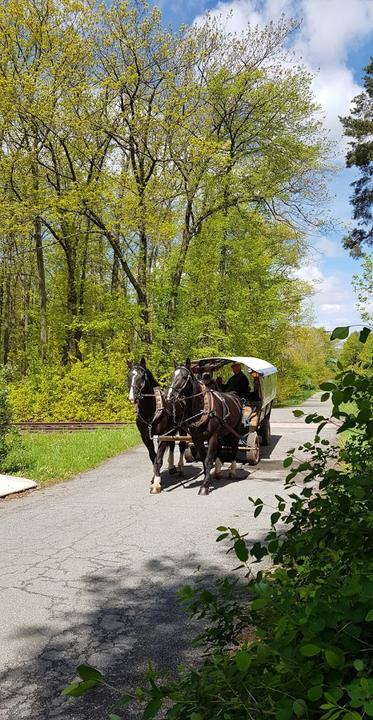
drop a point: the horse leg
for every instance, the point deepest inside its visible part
(218, 467)
(155, 486)
(171, 461)
(148, 442)
(233, 465)
(180, 465)
(210, 459)
(199, 445)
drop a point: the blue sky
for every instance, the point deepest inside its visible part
(335, 43)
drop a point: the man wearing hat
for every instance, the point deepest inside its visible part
(238, 383)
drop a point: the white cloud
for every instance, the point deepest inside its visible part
(329, 29)
(329, 248)
(309, 273)
(328, 287)
(330, 307)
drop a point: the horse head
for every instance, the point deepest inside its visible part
(181, 382)
(137, 379)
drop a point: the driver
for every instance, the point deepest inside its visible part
(238, 383)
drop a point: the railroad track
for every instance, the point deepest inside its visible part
(70, 426)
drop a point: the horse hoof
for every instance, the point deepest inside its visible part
(155, 489)
(172, 471)
(203, 490)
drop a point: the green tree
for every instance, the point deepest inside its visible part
(359, 126)
(139, 167)
(363, 286)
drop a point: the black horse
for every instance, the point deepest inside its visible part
(209, 416)
(155, 416)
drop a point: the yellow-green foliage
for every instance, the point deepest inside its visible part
(305, 362)
(95, 389)
(353, 353)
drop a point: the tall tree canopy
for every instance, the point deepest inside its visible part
(359, 126)
(155, 185)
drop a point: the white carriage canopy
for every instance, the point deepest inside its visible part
(267, 372)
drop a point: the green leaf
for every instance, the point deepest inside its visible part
(221, 528)
(309, 650)
(86, 672)
(287, 462)
(124, 700)
(314, 693)
(152, 709)
(298, 413)
(325, 396)
(284, 714)
(76, 689)
(327, 386)
(196, 716)
(299, 707)
(275, 517)
(340, 333)
(351, 716)
(359, 665)
(114, 717)
(369, 617)
(222, 536)
(335, 658)
(241, 550)
(258, 510)
(243, 660)
(368, 707)
(364, 334)
(259, 603)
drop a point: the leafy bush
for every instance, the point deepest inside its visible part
(95, 389)
(5, 421)
(298, 642)
(12, 453)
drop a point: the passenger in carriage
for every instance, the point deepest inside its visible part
(255, 393)
(208, 381)
(238, 383)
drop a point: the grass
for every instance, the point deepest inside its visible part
(56, 456)
(298, 398)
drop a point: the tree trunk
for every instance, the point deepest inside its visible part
(40, 266)
(142, 279)
(115, 274)
(178, 272)
(7, 318)
(73, 330)
(42, 288)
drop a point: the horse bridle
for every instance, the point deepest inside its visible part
(140, 394)
(176, 395)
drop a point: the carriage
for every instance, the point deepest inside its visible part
(256, 411)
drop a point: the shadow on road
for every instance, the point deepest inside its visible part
(193, 474)
(128, 621)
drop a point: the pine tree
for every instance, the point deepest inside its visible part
(359, 126)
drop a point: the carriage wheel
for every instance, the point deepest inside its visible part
(265, 431)
(253, 455)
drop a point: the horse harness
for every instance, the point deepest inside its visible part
(209, 411)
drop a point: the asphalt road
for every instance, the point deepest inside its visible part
(89, 571)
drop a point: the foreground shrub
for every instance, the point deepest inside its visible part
(298, 642)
